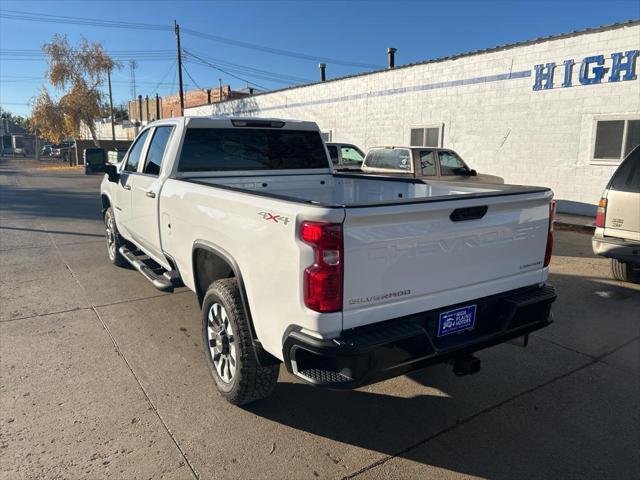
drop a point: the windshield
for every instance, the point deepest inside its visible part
(229, 149)
(451, 164)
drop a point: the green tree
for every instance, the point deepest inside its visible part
(16, 119)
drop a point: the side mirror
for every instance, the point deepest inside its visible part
(473, 173)
(112, 172)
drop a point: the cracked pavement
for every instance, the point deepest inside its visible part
(102, 376)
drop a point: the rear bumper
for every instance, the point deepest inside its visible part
(387, 349)
(618, 248)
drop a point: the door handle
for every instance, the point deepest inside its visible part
(150, 194)
(127, 187)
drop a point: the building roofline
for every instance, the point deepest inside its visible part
(497, 48)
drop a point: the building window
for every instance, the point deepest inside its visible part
(429, 136)
(326, 136)
(615, 138)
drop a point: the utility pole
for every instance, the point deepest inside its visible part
(113, 127)
(176, 28)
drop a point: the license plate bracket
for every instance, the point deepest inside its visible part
(457, 320)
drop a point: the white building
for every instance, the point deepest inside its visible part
(558, 111)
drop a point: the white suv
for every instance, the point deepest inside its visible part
(617, 234)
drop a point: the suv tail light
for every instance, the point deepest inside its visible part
(323, 279)
(601, 213)
(552, 218)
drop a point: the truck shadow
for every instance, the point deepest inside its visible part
(426, 425)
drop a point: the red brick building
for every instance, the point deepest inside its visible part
(170, 106)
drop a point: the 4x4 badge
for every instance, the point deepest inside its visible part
(276, 218)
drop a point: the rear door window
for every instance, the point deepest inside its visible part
(428, 163)
(389, 159)
(229, 149)
(627, 176)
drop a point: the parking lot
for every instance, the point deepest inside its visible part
(102, 376)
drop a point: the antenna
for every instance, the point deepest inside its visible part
(132, 67)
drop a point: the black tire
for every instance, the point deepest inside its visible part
(114, 240)
(250, 381)
(625, 271)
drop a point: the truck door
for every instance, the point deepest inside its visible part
(146, 193)
(123, 189)
(427, 164)
(452, 167)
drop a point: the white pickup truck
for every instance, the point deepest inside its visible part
(346, 279)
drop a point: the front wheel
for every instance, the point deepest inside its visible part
(239, 377)
(625, 271)
(114, 240)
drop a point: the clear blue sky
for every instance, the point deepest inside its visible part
(356, 31)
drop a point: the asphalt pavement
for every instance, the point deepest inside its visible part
(103, 376)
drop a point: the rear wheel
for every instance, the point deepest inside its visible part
(625, 271)
(239, 377)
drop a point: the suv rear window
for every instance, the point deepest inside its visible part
(229, 149)
(627, 176)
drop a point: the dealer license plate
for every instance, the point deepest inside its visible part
(463, 318)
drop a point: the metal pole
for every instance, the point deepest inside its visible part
(146, 101)
(176, 28)
(113, 127)
(219, 90)
(391, 57)
(157, 107)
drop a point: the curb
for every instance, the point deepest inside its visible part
(573, 227)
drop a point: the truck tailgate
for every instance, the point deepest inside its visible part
(410, 258)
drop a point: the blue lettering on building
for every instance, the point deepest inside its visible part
(592, 70)
(568, 71)
(544, 76)
(627, 66)
(590, 74)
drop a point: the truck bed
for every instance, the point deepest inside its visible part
(344, 190)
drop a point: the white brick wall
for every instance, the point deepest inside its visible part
(504, 127)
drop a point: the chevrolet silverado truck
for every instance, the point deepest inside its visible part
(346, 279)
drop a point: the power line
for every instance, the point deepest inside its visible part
(229, 70)
(25, 54)
(276, 51)
(155, 90)
(191, 78)
(115, 82)
(258, 71)
(47, 18)
(225, 71)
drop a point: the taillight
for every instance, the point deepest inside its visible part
(601, 213)
(552, 218)
(323, 279)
